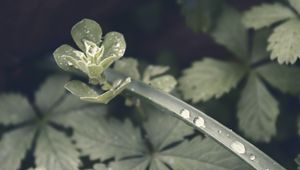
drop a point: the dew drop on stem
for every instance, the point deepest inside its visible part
(185, 113)
(238, 147)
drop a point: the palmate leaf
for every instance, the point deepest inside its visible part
(209, 78)
(257, 111)
(201, 154)
(14, 109)
(295, 4)
(50, 92)
(55, 151)
(102, 138)
(284, 42)
(259, 48)
(284, 78)
(162, 130)
(13, 147)
(231, 33)
(265, 15)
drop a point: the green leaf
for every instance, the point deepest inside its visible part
(165, 83)
(201, 154)
(38, 168)
(14, 109)
(209, 78)
(102, 139)
(100, 167)
(66, 57)
(266, 15)
(282, 77)
(231, 33)
(51, 91)
(80, 89)
(152, 71)
(131, 164)
(259, 49)
(200, 14)
(114, 45)
(295, 4)
(129, 67)
(284, 42)
(68, 104)
(86, 29)
(257, 111)
(163, 130)
(13, 147)
(55, 151)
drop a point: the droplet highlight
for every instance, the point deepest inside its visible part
(185, 113)
(238, 147)
(252, 157)
(199, 122)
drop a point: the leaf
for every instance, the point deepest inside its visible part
(297, 160)
(51, 91)
(165, 83)
(152, 71)
(13, 147)
(266, 15)
(259, 49)
(86, 29)
(129, 67)
(200, 15)
(230, 32)
(100, 167)
(102, 139)
(201, 154)
(66, 57)
(131, 164)
(55, 151)
(70, 103)
(295, 4)
(282, 77)
(14, 109)
(257, 111)
(284, 42)
(209, 78)
(163, 130)
(80, 89)
(38, 168)
(114, 45)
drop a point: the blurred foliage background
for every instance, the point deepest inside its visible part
(155, 32)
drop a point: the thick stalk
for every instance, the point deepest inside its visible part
(202, 122)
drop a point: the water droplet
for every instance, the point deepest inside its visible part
(252, 157)
(185, 113)
(132, 89)
(199, 121)
(70, 64)
(219, 131)
(238, 147)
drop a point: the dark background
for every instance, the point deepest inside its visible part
(32, 29)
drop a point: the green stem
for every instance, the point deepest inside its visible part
(187, 113)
